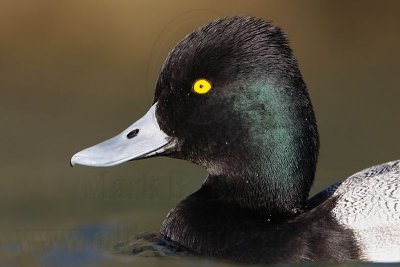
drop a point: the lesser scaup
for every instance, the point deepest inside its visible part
(230, 97)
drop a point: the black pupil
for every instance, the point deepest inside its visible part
(132, 134)
(201, 86)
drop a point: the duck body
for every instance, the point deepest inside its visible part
(355, 219)
(250, 237)
(368, 203)
(230, 97)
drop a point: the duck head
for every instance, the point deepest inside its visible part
(230, 97)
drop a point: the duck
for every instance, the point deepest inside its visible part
(230, 97)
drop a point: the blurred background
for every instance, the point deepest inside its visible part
(73, 73)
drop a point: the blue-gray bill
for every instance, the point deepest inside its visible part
(142, 139)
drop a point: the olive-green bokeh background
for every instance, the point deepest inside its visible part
(73, 73)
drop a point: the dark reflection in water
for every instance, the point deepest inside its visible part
(89, 245)
(66, 257)
(92, 234)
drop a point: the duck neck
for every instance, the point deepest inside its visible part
(273, 181)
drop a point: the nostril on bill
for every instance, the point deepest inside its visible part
(132, 133)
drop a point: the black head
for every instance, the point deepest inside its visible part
(254, 130)
(256, 121)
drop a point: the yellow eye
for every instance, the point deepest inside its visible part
(202, 86)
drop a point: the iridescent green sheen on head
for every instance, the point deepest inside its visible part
(281, 144)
